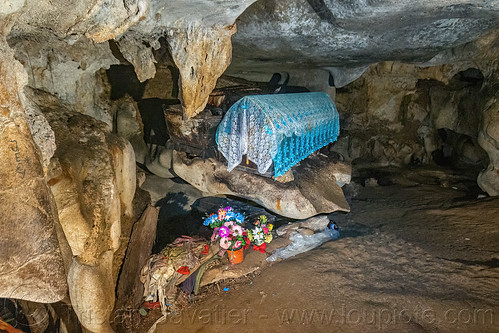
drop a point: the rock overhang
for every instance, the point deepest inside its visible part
(320, 34)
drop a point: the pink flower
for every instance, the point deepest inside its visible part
(265, 230)
(237, 231)
(238, 244)
(224, 231)
(225, 242)
(214, 236)
(229, 224)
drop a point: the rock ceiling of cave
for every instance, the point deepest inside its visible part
(282, 35)
(341, 37)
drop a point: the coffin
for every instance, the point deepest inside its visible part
(277, 130)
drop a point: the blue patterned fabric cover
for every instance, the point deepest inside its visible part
(279, 128)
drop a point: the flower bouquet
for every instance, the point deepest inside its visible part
(261, 234)
(228, 231)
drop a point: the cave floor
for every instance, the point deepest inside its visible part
(410, 259)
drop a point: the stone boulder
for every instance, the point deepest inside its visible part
(293, 199)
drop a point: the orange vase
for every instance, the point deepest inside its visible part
(236, 257)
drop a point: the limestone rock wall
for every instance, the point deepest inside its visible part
(399, 114)
(92, 176)
(488, 136)
(31, 265)
(69, 71)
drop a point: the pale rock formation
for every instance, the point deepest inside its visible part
(92, 176)
(286, 199)
(139, 55)
(159, 188)
(31, 265)
(128, 125)
(159, 161)
(488, 138)
(200, 44)
(392, 113)
(69, 71)
(202, 54)
(91, 289)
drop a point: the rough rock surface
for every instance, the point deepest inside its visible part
(202, 54)
(31, 266)
(398, 114)
(352, 34)
(92, 176)
(284, 199)
(159, 161)
(200, 44)
(199, 37)
(67, 70)
(316, 223)
(128, 125)
(488, 138)
(160, 188)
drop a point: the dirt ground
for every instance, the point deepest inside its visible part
(418, 258)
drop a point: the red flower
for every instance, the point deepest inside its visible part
(152, 305)
(245, 233)
(260, 248)
(206, 249)
(184, 270)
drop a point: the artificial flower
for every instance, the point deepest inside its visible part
(184, 270)
(214, 236)
(224, 231)
(237, 230)
(225, 242)
(261, 233)
(230, 225)
(230, 215)
(268, 238)
(210, 219)
(227, 229)
(221, 213)
(239, 218)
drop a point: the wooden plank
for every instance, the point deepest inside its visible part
(130, 290)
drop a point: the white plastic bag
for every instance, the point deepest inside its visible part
(301, 243)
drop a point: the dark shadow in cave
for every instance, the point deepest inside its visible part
(123, 80)
(175, 220)
(153, 118)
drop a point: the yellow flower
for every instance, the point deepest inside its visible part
(270, 226)
(268, 238)
(250, 236)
